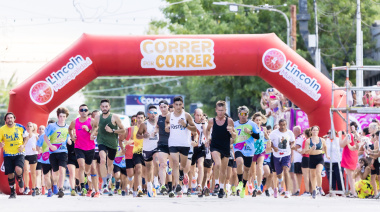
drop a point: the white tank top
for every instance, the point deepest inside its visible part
(179, 136)
(149, 144)
(201, 138)
(32, 142)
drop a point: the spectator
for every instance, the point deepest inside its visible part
(376, 96)
(334, 151)
(368, 99)
(363, 187)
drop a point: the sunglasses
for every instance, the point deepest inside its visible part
(151, 112)
(83, 110)
(244, 114)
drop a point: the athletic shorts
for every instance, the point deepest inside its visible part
(315, 160)
(281, 162)
(129, 163)
(31, 158)
(271, 169)
(182, 150)
(96, 157)
(138, 159)
(39, 166)
(376, 165)
(305, 163)
(111, 153)
(148, 155)
(247, 160)
(10, 163)
(72, 160)
(207, 163)
(255, 157)
(57, 160)
(291, 170)
(46, 167)
(223, 154)
(232, 163)
(199, 152)
(87, 155)
(117, 168)
(163, 148)
(297, 168)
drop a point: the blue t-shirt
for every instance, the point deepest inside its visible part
(58, 136)
(120, 158)
(45, 150)
(244, 142)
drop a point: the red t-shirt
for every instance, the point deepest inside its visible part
(349, 158)
(303, 147)
(129, 148)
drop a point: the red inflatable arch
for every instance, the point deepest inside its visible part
(263, 55)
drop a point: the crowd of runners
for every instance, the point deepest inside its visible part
(178, 153)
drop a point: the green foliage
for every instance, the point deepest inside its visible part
(5, 87)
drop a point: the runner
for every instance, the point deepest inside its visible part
(57, 138)
(199, 152)
(297, 158)
(149, 132)
(80, 133)
(179, 124)
(219, 143)
(95, 162)
(207, 163)
(163, 149)
(31, 153)
(12, 138)
(108, 126)
(283, 141)
(73, 167)
(244, 147)
(120, 170)
(138, 159)
(40, 179)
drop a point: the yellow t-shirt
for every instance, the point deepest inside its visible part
(137, 148)
(13, 137)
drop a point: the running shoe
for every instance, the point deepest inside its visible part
(287, 194)
(254, 192)
(84, 192)
(33, 192)
(150, 189)
(240, 186)
(296, 194)
(13, 195)
(259, 192)
(119, 191)
(73, 192)
(110, 193)
(179, 194)
(140, 193)
(134, 193)
(163, 190)
(123, 193)
(281, 191)
(233, 189)
(55, 189)
(250, 188)
(26, 191)
(275, 193)
(221, 193)
(38, 191)
(200, 193)
(267, 193)
(206, 191)
(242, 193)
(89, 193)
(305, 194)
(96, 194)
(171, 194)
(50, 193)
(216, 190)
(60, 193)
(188, 193)
(314, 195)
(321, 192)
(105, 190)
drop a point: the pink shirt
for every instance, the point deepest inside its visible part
(83, 141)
(349, 158)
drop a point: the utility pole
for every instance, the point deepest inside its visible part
(293, 25)
(317, 50)
(359, 53)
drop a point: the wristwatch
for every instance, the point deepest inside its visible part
(113, 130)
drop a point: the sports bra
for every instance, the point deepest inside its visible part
(318, 145)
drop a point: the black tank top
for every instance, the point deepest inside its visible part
(220, 137)
(318, 146)
(163, 135)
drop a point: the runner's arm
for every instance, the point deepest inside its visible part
(167, 123)
(71, 131)
(120, 125)
(140, 133)
(232, 127)
(95, 127)
(207, 132)
(190, 123)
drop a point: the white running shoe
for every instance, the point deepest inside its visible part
(149, 188)
(306, 194)
(287, 194)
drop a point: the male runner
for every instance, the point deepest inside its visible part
(222, 131)
(108, 126)
(179, 124)
(149, 132)
(57, 137)
(282, 143)
(84, 146)
(138, 159)
(12, 138)
(163, 148)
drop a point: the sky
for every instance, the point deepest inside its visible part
(34, 32)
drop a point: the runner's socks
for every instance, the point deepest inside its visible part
(181, 175)
(20, 181)
(240, 177)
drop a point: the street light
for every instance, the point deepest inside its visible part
(233, 7)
